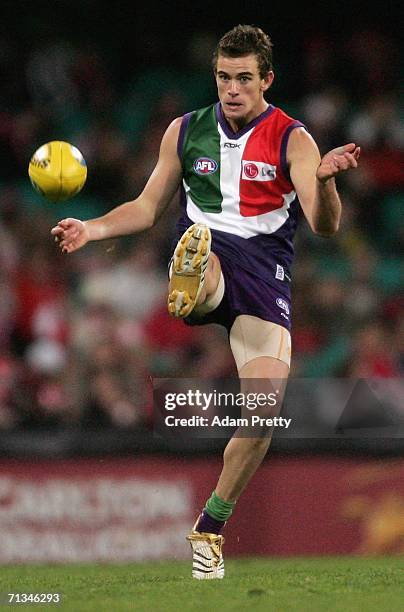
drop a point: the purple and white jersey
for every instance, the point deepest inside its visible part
(239, 185)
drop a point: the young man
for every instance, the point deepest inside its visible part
(241, 163)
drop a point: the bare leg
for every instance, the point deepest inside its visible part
(242, 456)
(212, 276)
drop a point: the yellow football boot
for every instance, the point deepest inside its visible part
(207, 558)
(188, 270)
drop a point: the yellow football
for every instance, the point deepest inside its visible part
(57, 170)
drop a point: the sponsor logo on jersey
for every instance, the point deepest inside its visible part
(250, 170)
(231, 145)
(205, 165)
(257, 171)
(283, 304)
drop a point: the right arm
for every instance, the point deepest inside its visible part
(136, 215)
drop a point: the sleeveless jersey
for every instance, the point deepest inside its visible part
(239, 185)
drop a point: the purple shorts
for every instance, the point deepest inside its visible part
(251, 286)
(257, 276)
(246, 294)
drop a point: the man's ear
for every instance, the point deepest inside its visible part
(267, 81)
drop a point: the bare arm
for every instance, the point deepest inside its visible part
(314, 179)
(133, 216)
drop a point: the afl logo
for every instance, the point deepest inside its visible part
(205, 165)
(250, 170)
(283, 304)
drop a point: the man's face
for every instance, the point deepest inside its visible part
(241, 89)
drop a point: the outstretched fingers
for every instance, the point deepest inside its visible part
(350, 149)
(343, 162)
(338, 160)
(66, 234)
(347, 148)
(346, 157)
(351, 159)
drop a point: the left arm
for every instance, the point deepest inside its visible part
(314, 179)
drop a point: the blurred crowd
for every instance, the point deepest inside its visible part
(82, 336)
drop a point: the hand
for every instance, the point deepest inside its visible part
(70, 234)
(338, 160)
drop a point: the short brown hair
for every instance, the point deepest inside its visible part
(245, 40)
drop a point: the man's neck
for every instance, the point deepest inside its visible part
(237, 125)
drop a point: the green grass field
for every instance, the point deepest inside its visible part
(296, 585)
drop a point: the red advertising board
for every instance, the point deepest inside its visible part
(141, 508)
